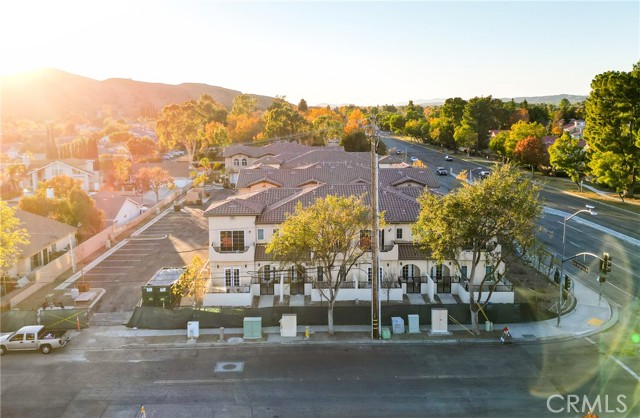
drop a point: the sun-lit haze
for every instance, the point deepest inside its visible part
(330, 52)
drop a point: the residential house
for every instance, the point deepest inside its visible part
(119, 208)
(76, 169)
(47, 240)
(179, 169)
(575, 128)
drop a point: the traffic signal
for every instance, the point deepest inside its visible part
(608, 263)
(605, 263)
(567, 282)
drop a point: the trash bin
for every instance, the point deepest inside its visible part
(397, 325)
(386, 334)
(488, 326)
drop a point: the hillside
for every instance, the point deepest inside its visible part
(52, 94)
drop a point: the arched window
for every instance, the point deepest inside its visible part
(410, 270)
(244, 162)
(236, 162)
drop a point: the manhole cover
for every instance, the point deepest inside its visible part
(229, 366)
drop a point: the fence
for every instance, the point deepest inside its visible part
(49, 273)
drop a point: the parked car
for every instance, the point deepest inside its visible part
(441, 171)
(33, 337)
(398, 152)
(484, 174)
(414, 159)
(448, 158)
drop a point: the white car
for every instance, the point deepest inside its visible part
(414, 159)
(448, 158)
(441, 171)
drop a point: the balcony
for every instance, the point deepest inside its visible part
(227, 250)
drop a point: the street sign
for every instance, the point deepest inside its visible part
(580, 266)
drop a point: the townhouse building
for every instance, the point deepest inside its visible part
(241, 226)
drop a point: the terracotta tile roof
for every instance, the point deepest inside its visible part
(234, 207)
(43, 232)
(261, 151)
(411, 252)
(327, 155)
(176, 168)
(334, 173)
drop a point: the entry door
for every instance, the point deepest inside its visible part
(297, 280)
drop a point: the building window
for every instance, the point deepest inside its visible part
(236, 162)
(369, 269)
(244, 162)
(231, 241)
(320, 274)
(463, 272)
(232, 276)
(488, 272)
(399, 233)
(36, 261)
(410, 270)
(260, 234)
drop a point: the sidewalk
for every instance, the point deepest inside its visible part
(589, 317)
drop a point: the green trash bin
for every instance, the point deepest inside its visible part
(386, 334)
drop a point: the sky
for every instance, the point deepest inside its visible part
(339, 52)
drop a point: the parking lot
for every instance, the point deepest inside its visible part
(172, 240)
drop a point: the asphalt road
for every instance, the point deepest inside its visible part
(623, 283)
(380, 380)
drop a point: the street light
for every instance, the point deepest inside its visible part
(589, 210)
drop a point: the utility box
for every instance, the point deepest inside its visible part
(397, 325)
(159, 290)
(252, 327)
(193, 329)
(414, 324)
(439, 321)
(288, 325)
(386, 334)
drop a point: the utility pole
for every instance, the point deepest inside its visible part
(375, 261)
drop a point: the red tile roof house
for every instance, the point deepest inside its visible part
(119, 209)
(241, 226)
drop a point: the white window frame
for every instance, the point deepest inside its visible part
(232, 276)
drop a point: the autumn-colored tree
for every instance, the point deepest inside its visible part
(504, 209)
(193, 282)
(327, 231)
(530, 151)
(243, 128)
(15, 173)
(520, 131)
(120, 137)
(69, 204)
(356, 121)
(141, 147)
(121, 170)
(185, 124)
(153, 179)
(244, 104)
(12, 237)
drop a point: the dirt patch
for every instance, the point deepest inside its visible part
(531, 286)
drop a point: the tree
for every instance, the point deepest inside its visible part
(520, 131)
(121, 170)
(326, 234)
(503, 209)
(12, 237)
(497, 144)
(120, 137)
(612, 129)
(70, 205)
(325, 127)
(185, 124)
(356, 141)
(281, 119)
(153, 179)
(302, 105)
(141, 147)
(243, 128)
(244, 104)
(15, 173)
(192, 282)
(567, 155)
(465, 137)
(479, 115)
(530, 151)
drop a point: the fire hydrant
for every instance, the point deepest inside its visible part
(306, 332)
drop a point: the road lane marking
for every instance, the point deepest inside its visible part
(624, 366)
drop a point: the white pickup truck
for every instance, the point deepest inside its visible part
(33, 337)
